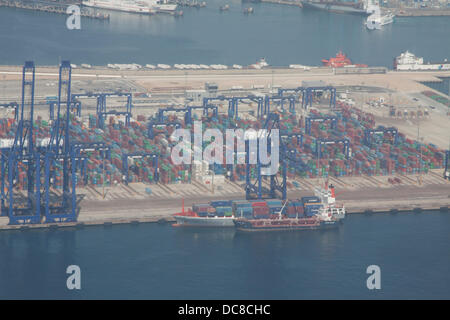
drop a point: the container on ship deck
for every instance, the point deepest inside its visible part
(275, 202)
(245, 212)
(259, 204)
(261, 210)
(261, 216)
(221, 203)
(203, 207)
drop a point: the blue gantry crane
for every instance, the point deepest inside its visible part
(310, 91)
(281, 99)
(368, 134)
(61, 149)
(153, 124)
(254, 189)
(206, 112)
(101, 108)
(22, 210)
(344, 142)
(310, 119)
(139, 155)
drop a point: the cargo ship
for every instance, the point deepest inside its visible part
(408, 61)
(316, 212)
(313, 212)
(341, 60)
(359, 7)
(134, 6)
(141, 7)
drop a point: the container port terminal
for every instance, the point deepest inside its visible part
(91, 145)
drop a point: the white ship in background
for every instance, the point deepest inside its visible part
(353, 7)
(408, 61)
(376, 19)
(163, 6)
(135, 6)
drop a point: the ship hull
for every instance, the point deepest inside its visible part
(423, 67)
(244, 225)
(108, 6)
(216, 222)
(333, 7)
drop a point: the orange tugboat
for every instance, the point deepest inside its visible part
(341, 60)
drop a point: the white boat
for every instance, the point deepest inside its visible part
(121, 5)
(376, 20)
(262, 62)
(237, 66)
(150, 66)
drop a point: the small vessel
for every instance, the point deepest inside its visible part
(409, 61)
(248, 10)
(341, 60)
(225, 7)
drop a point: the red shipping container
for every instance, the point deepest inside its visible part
(261, 210)
(259, 204)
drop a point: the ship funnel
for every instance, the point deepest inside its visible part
(332, 191)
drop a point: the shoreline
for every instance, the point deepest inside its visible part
(169, 219)
(107, 212)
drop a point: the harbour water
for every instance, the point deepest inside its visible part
(158, 261)
(282, 34)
